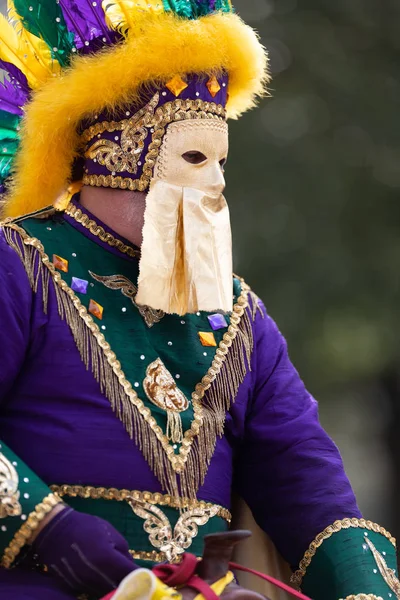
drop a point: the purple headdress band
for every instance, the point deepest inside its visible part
(120, 150)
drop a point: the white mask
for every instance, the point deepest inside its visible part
(186, 261)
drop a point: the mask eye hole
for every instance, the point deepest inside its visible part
(194, 157)
(222, 163)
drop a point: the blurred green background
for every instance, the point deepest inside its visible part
(313, 185)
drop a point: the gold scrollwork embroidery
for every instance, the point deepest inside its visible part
(124, 156)
(172, 542)
(9, 494)
(389, 575)
(177, 110)
(80, 217)
(337, 526)
(129, 290)
(161, 390)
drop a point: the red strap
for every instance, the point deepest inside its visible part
(176, 575)
(271, 580)
(185, 574)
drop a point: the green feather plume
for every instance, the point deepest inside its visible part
(44, 18)
(9, 140)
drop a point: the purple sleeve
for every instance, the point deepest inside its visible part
(15, 315)
(289, 470)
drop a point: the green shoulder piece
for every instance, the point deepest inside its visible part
(24, 501)
(353, 559)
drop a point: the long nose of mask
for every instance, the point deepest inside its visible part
(186, 261)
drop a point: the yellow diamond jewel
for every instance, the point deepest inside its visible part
(176, 85)
(96, 309)
(207, 338)
(213, 86)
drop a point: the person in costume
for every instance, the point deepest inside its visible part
(141, 383)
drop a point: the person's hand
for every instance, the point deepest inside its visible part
(84, 552)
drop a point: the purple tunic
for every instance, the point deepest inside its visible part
(274, 452)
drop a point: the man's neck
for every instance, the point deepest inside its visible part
(122, 211)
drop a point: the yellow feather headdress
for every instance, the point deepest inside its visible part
(99, 58)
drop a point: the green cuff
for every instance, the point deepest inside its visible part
(20, 492)
(351, 559)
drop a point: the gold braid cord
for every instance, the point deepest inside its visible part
(73, 491)
(24, 533)
(126, 155)
(178, 473)
(98, 231)
(337, 526)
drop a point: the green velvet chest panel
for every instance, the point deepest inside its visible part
(131, 359)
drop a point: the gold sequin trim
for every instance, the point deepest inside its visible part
(228, 370)
(177, 110)
(96, 493)
(9, 494)
(80, 217)
(337, 526)
(173, 540)
(363, 597)
(152, 556)
(24, 533)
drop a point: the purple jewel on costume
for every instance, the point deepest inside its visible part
(217, 321)
(79, 285)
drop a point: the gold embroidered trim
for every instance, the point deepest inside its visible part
(150, 315)
(389, 575)
(9, 494)
(80, 217)
(337, 526)
(24, 533)
(161, 389)
(228, 370)
(363, 597)
(176, 107)
(153, 556)
(177, 110)
(96, 493)
(173, 541)
(124, 154)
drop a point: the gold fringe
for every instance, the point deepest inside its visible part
(179, 473)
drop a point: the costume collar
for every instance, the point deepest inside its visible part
(91, 227)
